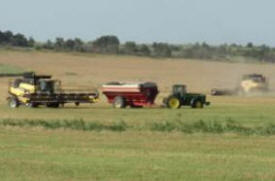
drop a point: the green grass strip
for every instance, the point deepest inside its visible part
(201, 126)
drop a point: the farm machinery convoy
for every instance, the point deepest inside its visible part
(144, 94)
(34, 90)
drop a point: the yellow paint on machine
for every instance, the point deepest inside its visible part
(28, 87)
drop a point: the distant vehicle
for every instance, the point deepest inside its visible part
(33, 90)
(130, 94)
(250, 83)
(253, 83)
(180, 97)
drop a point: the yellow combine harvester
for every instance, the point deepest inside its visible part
(33, 90)
(250, 83)
(253, 83)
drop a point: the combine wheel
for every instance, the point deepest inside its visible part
(197, 104)
(119, 102)
(173, 103)
(53, 105)
(32, 105)
(13, 102)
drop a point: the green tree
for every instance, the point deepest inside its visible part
(69, 44)
(7, 36)
(31, 42)
(106, 44)
(130, 47)
(59, 43)
(144, 50)
(250, 45)
(78, 45)
(49, 45)
(19, 40)
(161, 50)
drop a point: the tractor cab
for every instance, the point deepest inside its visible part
(179, 90)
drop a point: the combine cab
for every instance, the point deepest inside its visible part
(180, 97)
(33, 90)
(133, 95)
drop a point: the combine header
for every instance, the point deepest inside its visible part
(33, 90)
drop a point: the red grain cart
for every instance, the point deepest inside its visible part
(134, 94)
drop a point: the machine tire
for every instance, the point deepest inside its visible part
(13, 102)
(197, 104)
(136, 107)
(173, 102)
(32, 105)
(119, 102)
(53, 105)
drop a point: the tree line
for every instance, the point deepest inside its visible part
(111, 44)
(9, 38)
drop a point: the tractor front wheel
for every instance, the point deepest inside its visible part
(119, 102)
(173, 103)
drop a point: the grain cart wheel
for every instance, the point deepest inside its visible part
(13, 102)
(135, 107)
(173, 103)
(119, 102)
(197, 104)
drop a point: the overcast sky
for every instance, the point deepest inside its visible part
(173, 21)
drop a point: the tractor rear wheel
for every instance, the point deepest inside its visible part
(13, 102)
(173, 103)
(119, 102)
(197, 104)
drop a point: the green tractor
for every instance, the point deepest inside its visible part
(180, 97)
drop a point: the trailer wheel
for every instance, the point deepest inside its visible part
(119, 102)
(197, 104)
(135, 107)
(13, 102)
(173, 103)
